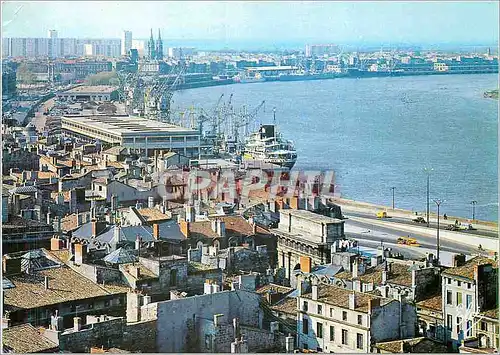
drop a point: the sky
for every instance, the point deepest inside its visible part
(333, 22)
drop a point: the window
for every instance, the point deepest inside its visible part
(344, 315)
(468, 300)
(332, 333)
(305, 326)
(305, 346)
(469, 328)
(459, 324)
(331, 312)
(449, 321)
(359, 341)
(305, 306)
(319, 330)
(173, 277)
(344, 337)
(468, 284)
(449, 297)
(459, 298)
(320, 309)
(360, 319)
(484, 326)
(459, 283)
(449, 281)
(106, 303)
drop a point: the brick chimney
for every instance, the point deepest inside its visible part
(156, 231)
(184, 228)
(56, 243)
(80, 253)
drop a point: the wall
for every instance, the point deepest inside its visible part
(173, 316)
(196, 279)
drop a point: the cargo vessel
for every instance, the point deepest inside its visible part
(269, 146)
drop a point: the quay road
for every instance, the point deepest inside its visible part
(373, 235)
(433, 224)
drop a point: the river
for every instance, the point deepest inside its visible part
(378, 133)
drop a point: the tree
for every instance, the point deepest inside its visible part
(102, 78)
(25, 75)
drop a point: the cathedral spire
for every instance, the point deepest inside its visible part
(159, 47)
(151, 47)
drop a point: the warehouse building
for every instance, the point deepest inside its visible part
(138, 134)
(90, 93)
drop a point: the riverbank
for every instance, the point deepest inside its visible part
(370, 208)
(330, 76)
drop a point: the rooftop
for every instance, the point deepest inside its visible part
(25, 338)
(127, 125)
(65, 285)
(416, 345)
(315, 217)
(433, 302)
(287, 305)
(400, 274)
(339, 297)
(467, 270)
(104, 89)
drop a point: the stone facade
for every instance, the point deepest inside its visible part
(304, 233)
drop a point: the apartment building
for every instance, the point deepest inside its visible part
(333, 319)
(467, 290)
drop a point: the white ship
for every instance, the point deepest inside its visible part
(268, 145)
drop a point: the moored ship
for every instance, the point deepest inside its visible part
(269, 146)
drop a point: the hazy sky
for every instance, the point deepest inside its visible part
(340, 22)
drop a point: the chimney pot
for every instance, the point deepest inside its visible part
(46, 282)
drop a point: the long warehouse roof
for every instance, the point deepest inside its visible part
(127, 124)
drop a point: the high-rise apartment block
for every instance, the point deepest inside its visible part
(126, 42)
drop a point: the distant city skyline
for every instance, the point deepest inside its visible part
(266, 22)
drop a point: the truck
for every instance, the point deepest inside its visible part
(382, 214)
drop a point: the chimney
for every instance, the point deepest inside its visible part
(151, 202)
(80, 253)
(314, 289)
(184, 228)
(77, 324)
(236, 326)
(384, 277)
(289, 341)
(56, 243)
(135, 271)
(46, 282)
(207, 287)
(156, 231)
(137, 242)
(213, 224)
(355, 269)
(146, 300)
(305, 264)
(352, 300)
(94, 227)
(458, 260)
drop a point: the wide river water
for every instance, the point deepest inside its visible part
(376, 133)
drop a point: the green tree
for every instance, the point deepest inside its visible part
(24, 75)
(102, 78)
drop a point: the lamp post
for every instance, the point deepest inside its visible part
(393, 188)
(473, 203)
(438, 203)
(428, 172)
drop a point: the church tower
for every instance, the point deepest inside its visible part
(159, 47)
(151, 47)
